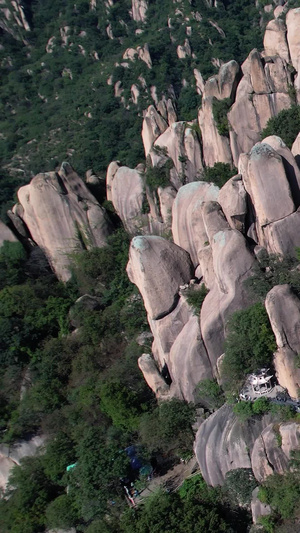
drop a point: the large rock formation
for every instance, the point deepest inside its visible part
(261, 94)
(271, 178)
(139, 10)
(215, 146)
(153, 126)
(187, 222)
(62, 217)
(158, 268)
(224, 443)
(181, 144)
(232, 264)
(283, 308)
(293, 36)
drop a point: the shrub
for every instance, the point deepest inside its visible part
(239, 484)
(211, 392)
(195, 297)
(249, 345)
(220, 109)
(286, 125)
(219, 174)
(159, 176)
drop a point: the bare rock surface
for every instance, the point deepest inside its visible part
(184, 149)
(152, 376)
(139, 10)
(158, 268)
(189, 363)
(283, 308)
(127, 195)
(187, 221)
(215, 147)
(232, 264)
(62, 217)
(233, 200)
(267, 456)
(275, 42)
(223, 443)
(293, 35)
(267, 185)
(112, 169)
(153, 126)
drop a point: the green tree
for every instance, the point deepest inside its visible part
(250, 343)
(219, 174)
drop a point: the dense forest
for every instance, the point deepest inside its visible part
(69, 351)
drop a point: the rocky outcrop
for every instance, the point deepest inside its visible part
(13, 19)
(258, 508)
(271, 178)
(184, 50)
(62, 217)
(293, 36)
(153, 126)
(232, 264)
(187, 221)
(112, 169)
(158, 268)
(223, 443)
(283, 308)
(261, 94)
(275, 42)
(183, 147)
(224, 84)
(127, 195)
(153, 377)
(139, 10)
(271, 450)
(10, 455)
(215, 146)
(233, 200)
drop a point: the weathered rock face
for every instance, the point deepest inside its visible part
(187, 221)
(13, 18)
(12, 454)
(183, 147)
(224, 84)
(271, 178)
(153, 126)
(62, 217)
(293, 36)
(184, 50)
(232, 264)
(152, 376)
(233, 200)
(189, 363)
(268, 456)
(261, 94)
(215, 147)
(283, 308)
(158, 268)
(223, 443)
(139, 10)
(112, 169)
(127, 195)
(275, 42)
